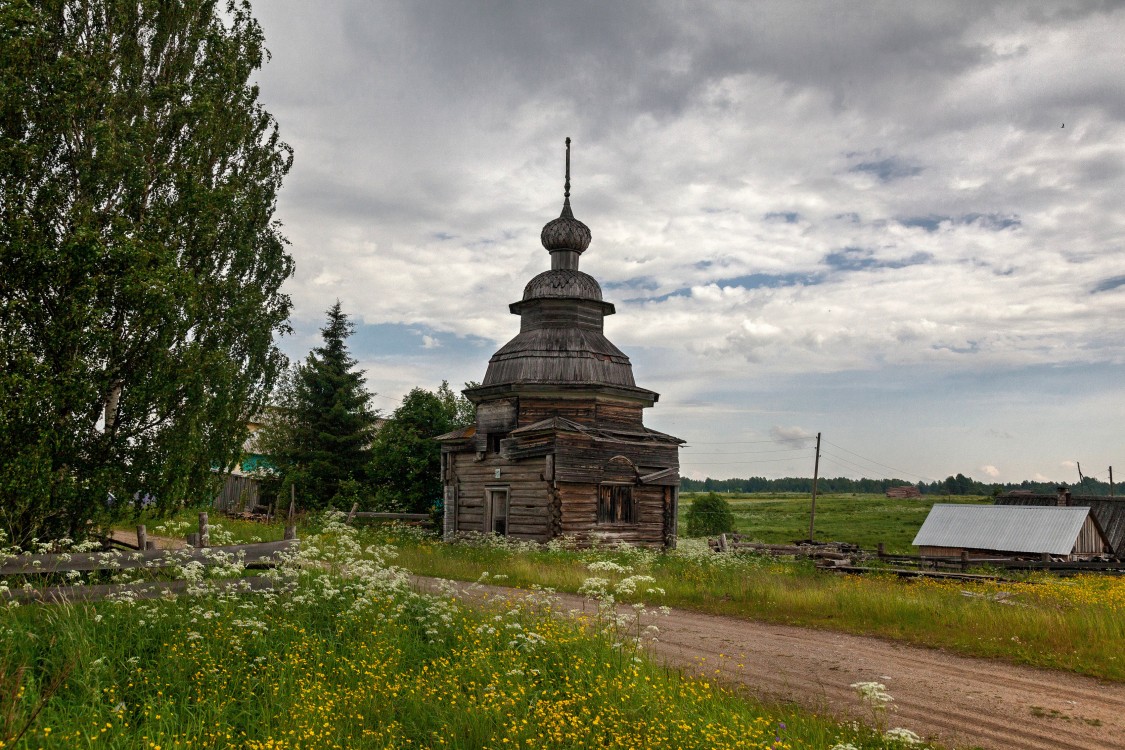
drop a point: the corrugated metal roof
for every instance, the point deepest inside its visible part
(1108, 511)
(1005, 528)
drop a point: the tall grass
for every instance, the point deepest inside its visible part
(1075, 624)
(344, 654)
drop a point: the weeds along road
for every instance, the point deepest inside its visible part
(956, 700)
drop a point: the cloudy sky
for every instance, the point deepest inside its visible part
(898, 224)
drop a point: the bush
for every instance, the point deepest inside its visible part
(709, 515)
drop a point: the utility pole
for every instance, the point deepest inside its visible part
(1079, 465)
(1111, 481)
(815, 477)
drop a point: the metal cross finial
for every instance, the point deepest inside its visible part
(566, 187)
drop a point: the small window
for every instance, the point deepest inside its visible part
(615, 504)
(494, 443)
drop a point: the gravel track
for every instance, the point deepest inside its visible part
(957, 700)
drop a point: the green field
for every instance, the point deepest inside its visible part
(865, 520)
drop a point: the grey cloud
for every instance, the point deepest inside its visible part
(888, 169)
(793, 436)
(1106, 285)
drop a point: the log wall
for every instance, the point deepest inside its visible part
(530, 496)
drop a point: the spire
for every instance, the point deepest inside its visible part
(565, 238)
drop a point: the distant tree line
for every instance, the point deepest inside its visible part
(953, 485)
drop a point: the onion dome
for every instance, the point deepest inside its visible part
(563, 283)
(566, 232)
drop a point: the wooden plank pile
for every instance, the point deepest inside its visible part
(841, 551)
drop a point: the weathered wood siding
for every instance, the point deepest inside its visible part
(582, 459)
(534, 410)
(1090, 541)
(579, 509)
(530, 511)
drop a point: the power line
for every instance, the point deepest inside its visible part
(735, 463)
(752, 442)
(752, 453)
(872, 461)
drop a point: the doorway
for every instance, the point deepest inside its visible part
(497, 503)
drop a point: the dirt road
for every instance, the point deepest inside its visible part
(960, 701)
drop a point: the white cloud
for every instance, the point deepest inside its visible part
(771, 200)
(990, 470)
(430, 342)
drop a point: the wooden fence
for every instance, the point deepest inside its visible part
(143, 557)
(240, 494)
(849, 558)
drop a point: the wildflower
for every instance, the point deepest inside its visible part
(874, 693)
(905, 736)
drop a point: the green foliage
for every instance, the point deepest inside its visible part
(709, 515)
(406, 460)
(140, 264)
(319, 434)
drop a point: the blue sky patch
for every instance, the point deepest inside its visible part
(681, 292)
(393, 339)
(860, 259)
(646, 283)
(789, 217)
(933, 222)
(768, 280)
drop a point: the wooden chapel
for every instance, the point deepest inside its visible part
(559, 445)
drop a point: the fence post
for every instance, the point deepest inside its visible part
(722, 542)
(351, 513)
(964, 560)
(142, 537)
(290, 531)
(193, 539)
(882, 550)
(204, 530)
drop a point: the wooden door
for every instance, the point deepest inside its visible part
(497, 505)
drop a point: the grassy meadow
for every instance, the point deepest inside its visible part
(865, 520)
(1074, 624)
(345, 654)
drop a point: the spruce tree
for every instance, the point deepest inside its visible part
(319, 437)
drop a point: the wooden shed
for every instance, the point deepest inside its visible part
(1068, 532)
(1109, 512)
(559, 446)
